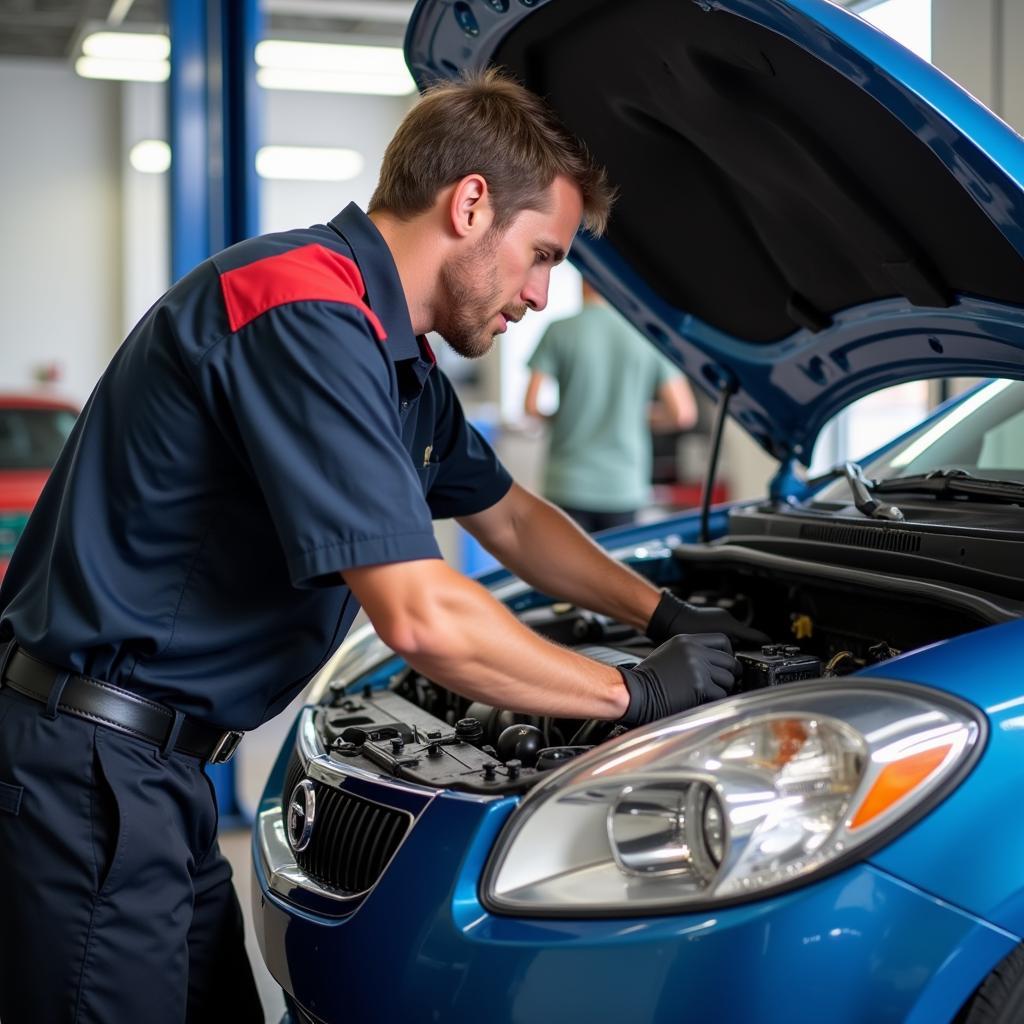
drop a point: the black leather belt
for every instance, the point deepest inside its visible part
(109, 705)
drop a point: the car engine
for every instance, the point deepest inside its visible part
(825, 621)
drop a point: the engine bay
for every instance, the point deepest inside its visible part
(824, 621)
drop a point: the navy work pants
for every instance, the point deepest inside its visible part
(117, 902)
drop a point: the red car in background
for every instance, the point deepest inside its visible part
(33, 430)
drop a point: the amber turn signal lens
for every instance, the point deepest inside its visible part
(897, 779)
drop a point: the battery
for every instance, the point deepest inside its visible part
(775, 664)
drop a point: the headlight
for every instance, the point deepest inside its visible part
(740, 799)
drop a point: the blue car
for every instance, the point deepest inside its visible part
(808, 213)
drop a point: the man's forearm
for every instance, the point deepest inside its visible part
(454, 632)
(499, 661)
(548, 550)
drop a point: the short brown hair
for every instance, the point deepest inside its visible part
(487, 124)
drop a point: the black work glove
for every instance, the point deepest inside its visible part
(683, 672)
(673, 616)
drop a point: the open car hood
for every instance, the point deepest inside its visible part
(808, 212)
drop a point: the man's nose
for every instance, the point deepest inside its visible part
(535, 294)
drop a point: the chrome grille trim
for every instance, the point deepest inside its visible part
(286, 877)
(321, 768)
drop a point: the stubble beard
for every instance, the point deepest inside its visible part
(470, 293)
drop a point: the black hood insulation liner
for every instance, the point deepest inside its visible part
(760, 190)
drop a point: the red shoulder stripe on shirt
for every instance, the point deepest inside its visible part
(311, 273)
(426, 350)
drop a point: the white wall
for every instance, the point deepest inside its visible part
(362, 123)
(145, 202)
(60, 261)
(516, 346)
(978, 43)
(85, 236)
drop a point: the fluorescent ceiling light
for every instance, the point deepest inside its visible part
(150, 156)
(289, 163)
(285, 53)
(397, 11)
(125, 56)
(324, 81)
(123, 70)
(332, 67)
(282, 64)
(308, 163)
(134, 46)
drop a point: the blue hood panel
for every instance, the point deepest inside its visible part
(808, 212)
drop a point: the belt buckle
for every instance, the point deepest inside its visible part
(226, 746)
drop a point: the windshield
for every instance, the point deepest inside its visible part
(983, 434)
(33, 438)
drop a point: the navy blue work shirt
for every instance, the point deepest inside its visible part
(271, 422)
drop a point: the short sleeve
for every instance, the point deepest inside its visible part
(665, 369)
(307, 395)
(470, 476)
(545, 357)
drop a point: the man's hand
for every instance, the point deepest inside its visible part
(683, 672)
(674, 616)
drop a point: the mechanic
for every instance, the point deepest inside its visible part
(262, 457)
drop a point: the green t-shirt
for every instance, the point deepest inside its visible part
(599, 452)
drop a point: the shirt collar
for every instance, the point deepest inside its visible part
(380, 278)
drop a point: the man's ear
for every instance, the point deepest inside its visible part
(470, 207)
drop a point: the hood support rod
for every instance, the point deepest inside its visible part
(724, 396)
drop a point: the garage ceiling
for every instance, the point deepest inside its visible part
(52, 28)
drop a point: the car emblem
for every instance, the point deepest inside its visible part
(301, 815)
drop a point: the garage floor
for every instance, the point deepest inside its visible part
(236, 846)
(252, 766)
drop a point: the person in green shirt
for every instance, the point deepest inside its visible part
(599, 451)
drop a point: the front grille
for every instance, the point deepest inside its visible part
(353, 839)
(292, 777)
(880, 539)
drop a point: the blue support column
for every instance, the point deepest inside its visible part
(241, 30)
(214, 127)
(188, 136)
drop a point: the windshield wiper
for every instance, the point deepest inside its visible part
(862, 488)
(954, 483)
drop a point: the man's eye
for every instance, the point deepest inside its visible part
(542, 257)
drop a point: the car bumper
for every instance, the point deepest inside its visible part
(861, 945)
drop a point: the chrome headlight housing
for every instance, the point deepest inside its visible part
(741, 799)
